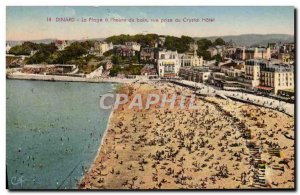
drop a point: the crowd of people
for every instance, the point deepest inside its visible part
(223, 144)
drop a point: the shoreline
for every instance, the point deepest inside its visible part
(57, 78)
(98, 150)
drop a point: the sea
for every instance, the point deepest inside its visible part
(53, 132)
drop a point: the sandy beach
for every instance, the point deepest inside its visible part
(222, 144)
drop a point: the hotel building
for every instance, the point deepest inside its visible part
(269, 77)
(168, 63)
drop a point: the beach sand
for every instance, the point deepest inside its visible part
(220, 145)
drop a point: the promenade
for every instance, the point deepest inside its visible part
(22, 76)
(267, 102)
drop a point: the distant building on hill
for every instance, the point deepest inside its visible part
(147, 54)
(161, 41)
(193, 47)
(61, 44)
(7, 47)
(133, 45)
(101, 47)
(125, 52)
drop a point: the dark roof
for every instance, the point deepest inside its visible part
(233, 64)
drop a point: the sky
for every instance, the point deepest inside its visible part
(30, 23)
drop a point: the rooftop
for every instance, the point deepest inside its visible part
(233, 65)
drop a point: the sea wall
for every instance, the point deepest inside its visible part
(66, 78)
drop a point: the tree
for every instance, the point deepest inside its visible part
(25, 48)
(148, 39)
(180, 44)
(219, 41)
(20, 50)
(116, 59)
(31, 45)
(204, 44)
(118, 39)
(115, 70)
(44, 54)
(87, 44)
(187, 39)
(38, 57)
(108, 53)
(205, 54)
(217, 57)
(72, 52)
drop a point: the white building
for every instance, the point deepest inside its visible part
(7, 47)
(252, 72)
(96, 73)
(161, 40)
(168, 63)
(253, 53)
(32, 52)
(61, 44)
(196, 74)
(266, 76)
(190, 60)
(193, 47)
(101, 47)
(133, 45)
